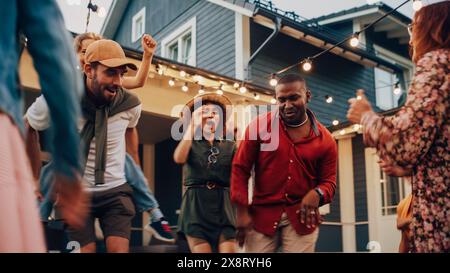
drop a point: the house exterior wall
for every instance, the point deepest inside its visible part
(215, 30)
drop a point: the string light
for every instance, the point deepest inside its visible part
(328, 99)
(354, 41)
(335, 122)
(160, 71)
(183, 73)
(417, 5)
(236, 85)
(219, 92)
(201, 90)
(273, 101)
(172, 82)
(185, 87)
(243, 89)
(307, 65)
(397, 89)
(101, 12)
(256, 96)
(356, 127)
(273, 81)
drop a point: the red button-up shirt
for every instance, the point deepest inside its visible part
(285, 175)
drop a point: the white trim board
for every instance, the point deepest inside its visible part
(242, 44)
(190, 25)
(348, 16)
(232, 7)
(140, 13)
(347, 194)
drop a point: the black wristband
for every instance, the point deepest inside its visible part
(320, 193)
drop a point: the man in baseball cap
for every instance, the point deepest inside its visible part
(108, 112)
(105, 65)
(109, 53)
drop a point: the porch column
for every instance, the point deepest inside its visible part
(346, 193)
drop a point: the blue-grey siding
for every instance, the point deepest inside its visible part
(331, 75)
(158, 15)
(215, 31)
(381, 39)
(362, 237)
(340, 30)
(330, 239)
(359, 177)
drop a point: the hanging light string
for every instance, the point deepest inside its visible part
(101, 12)
(308, 61)
(88, 15)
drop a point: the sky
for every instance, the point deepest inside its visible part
(75, 11)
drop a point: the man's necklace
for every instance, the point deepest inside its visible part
(298, 125)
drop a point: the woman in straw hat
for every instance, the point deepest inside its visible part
(207, 217)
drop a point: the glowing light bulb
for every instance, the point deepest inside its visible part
(219, 92)
(354, 42)
(243, 89)
(201, 90)
(307, 65)
(185, 88)
(397, 90)
(273, 81)
(273, 101)
(328, 99)
(236, 85)
(335, 122)
(171, 82)
(342, 132)
(256, 97)
(183, 73)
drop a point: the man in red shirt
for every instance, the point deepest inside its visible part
(291, 181)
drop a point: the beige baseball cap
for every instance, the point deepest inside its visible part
(109, 53)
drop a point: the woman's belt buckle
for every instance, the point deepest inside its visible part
(210, 185)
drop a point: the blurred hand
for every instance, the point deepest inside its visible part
(309, 209)
(393, 170)
(358, 107)
(148, 44)
(71, 199)
(243, 225)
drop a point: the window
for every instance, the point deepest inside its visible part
(405, 63)
(384, 89)
(180, 44)
(138, 25)
(392, 192)
(383, 78)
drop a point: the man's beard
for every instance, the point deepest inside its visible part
(100, 90)
(298, 116)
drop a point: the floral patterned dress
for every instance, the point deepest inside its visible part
(418, 137)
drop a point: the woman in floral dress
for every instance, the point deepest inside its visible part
(417, 137)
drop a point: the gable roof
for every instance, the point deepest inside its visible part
(360, 11)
